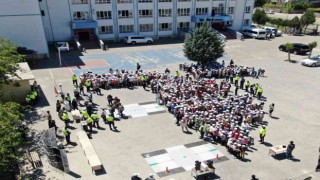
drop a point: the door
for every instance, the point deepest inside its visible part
(84, 36)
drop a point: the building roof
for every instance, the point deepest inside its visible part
(24, 72)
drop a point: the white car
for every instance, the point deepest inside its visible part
(312, 61)
(63, 46)
(138, 39)
(270, 12)
(275, 31)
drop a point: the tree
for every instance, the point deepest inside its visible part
(295, 22)
(9, 57)
(10, 136)
(260, 17)
(289, 48)
(307, 18)
(311, 46)
(260, 3)
(289, 8)
(204, 45)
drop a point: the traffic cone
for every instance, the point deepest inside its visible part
(56, 90)
(217, 157)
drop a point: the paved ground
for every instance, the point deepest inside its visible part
(294, 90)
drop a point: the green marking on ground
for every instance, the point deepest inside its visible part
(214, 149)
(153, 164)
(184, 156)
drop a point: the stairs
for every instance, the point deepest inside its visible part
(228, 35)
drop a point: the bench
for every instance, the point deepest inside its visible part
(35, 159)
(89, 151)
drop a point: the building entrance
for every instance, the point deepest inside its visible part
(84, 36)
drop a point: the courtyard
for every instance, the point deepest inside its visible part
(293, 88)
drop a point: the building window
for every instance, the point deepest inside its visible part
(105, 30)
(184, 12)
(246, 22)
(219, 9)
(80, 15)
(104, 15)
(79, 1)
(125, 14)
(126, 28)
(145, 13)
(165, 0)
(230, 10)
(165, 26)
(40, 0)
(124, 1)
(165, 12)
(42, 13)
(145, 1)
(184, 0)
(146, 27)
(201, 11)
(184, 25)
(248, 9)
(202, 0)
(103, 1)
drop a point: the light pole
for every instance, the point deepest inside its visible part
(59, 51)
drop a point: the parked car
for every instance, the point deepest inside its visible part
(270, 12)
(274, 30)
(268, 31)
(255, 33)
(138, 39)
(312, 61)
(298, 48)
(63, 46)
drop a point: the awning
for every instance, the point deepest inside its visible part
(216, 18)
(84, 24)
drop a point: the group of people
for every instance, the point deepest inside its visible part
(203, 104)
(33, 97)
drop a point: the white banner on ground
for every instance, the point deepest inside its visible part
(50, 137)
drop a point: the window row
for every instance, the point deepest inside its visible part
(142, 28)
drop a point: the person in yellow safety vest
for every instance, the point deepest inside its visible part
(67, 133)
(263, 132)
(110, 120)
(89, 123)
(95, 119)
(257, 85)
(85, 114)
(35, 93)
(260, 91)
(202, 131)
(247, 85)
(65, 118)
(74, 79)
(88, 85)
(144, 81)
(28, 99)
(32, 99)
(177, 73)
(236, 80)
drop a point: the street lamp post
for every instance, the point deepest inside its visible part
(59, 51)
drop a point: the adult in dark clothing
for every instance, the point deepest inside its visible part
(290, 148)
(58, 106)
(52, 123)
(253, 177)
(74, 104)
(138, 67)
(110, 99)
(89, 109)
(236, 91)
(242, 81)
(81, 89)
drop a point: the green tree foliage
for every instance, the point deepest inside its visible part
(312, 45)
(260, 17)
(204, 45)
(300, 5)
(10, 135)
(289, 49)
(289, 8)
(260, 3)
(295, 22)
(8, 60)
(307, 18)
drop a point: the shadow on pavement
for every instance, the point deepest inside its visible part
(73, 174)
(102, 171)
(274, 117)
(267, 144)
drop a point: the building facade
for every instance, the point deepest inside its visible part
(21, 22)
(115, 19)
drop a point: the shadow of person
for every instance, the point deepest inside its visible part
(295, 159)
(115, 130)
(187, 132)
(274, 117)
(101, 128)
(267, 144)
(73, 143)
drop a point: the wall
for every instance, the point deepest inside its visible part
(20, 93)
(20, 21)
